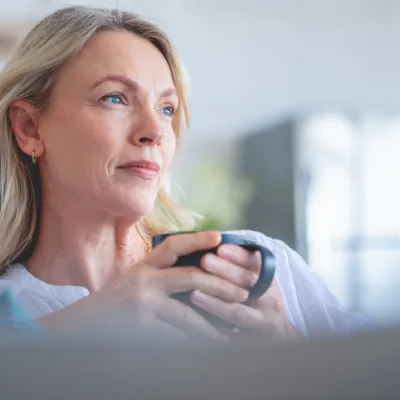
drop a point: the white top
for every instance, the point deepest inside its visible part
(310, 306)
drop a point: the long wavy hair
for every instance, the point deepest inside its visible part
(30, 75)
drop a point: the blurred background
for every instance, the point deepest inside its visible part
(296, 126)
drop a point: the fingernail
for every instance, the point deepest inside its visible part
(226, 251)
(259, 260)
(199, 297)
(211, 261)
(254, 279)
(217, 237)
(244, 296)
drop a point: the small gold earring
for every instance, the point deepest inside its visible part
(34, 158)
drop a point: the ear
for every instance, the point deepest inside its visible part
(24, 120)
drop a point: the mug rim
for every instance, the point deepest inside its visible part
(226, 238)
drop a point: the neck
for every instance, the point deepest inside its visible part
(84, 247)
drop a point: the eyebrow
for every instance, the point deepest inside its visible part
(133, 85)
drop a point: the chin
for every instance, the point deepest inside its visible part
(136, 207)
(131, 203)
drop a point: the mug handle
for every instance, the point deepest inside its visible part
(268, 267)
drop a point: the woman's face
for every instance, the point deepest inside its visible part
(107, 132)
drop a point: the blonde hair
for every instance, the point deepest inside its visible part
(30, 75)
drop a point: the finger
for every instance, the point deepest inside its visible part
(225, 269)
(235, 313)
(272, 299)
(175, 246)
(250, 260)
(186, 279)
(186, 319)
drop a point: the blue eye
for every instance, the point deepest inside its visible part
(113, 99)
(168, 111)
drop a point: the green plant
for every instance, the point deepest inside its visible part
(218, 193)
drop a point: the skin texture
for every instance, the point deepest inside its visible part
(113, 104)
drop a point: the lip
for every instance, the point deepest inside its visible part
(143, 164)
(142, 168)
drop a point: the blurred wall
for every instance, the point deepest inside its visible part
(253, 61)
(269, 157)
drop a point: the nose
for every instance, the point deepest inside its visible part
(148, 131)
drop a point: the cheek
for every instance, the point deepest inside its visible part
(83, 143)
(80, 130)
(169, 150)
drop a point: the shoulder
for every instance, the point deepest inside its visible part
(291, 267)
(309, 303)
(37, 297)
(10, 280)
(292, 272)
(15, 282)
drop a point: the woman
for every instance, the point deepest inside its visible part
(93, 106)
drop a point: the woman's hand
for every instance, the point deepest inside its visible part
(144, 292)
(264, 318)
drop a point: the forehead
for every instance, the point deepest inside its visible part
(119, 53)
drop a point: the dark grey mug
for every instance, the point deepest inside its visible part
(264, 281)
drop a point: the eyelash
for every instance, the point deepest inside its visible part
(124, 102)
(173, 110)
(120, 95)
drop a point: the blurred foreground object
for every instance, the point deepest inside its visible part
(361, 367)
